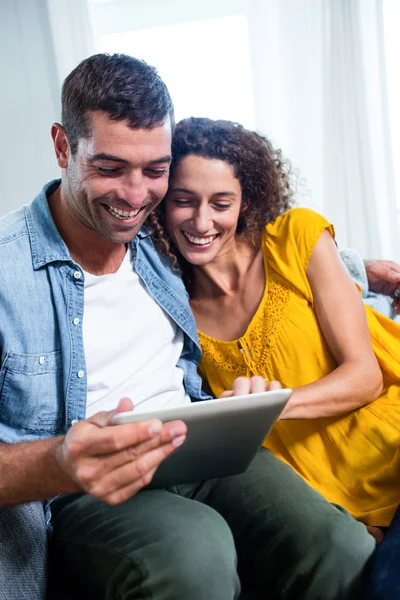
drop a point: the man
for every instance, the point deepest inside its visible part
(90, 315)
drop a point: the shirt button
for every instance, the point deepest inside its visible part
(74, 421)
(42, 360)
(77, 274)
(81, 374)
(76, 321)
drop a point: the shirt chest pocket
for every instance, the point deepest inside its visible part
(31, 389)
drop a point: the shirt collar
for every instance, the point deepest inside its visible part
(46, 243)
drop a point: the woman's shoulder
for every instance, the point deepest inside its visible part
(290, 240)
(298, 226)
(299, 219)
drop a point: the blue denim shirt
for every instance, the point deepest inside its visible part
(43, 372)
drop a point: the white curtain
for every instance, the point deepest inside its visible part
(29, 101)
(319, 90)
(320, 94)
(40, 42)
(71, 34)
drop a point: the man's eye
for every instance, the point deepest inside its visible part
(156, 172)
(109, 172)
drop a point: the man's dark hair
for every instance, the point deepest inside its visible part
(124, 87)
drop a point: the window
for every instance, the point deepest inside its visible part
(205, 62)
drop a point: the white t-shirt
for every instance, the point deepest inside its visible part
(131, 345)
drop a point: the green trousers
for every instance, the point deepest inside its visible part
(265, 527)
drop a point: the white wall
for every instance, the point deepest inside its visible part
(29, 101)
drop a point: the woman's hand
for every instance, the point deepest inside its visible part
(250, 385)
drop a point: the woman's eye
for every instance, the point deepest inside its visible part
(182, 202)
(220, 206)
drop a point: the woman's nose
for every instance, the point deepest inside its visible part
(202, 221)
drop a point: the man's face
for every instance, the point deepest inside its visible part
(117, 176)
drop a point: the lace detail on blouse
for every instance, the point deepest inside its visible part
(250, 354)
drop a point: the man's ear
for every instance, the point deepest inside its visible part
(61, 145)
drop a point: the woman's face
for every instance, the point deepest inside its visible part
(202, 208)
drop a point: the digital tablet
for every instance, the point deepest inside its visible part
(223, 435)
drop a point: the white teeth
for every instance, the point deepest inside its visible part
(123, 214)
(200, 241)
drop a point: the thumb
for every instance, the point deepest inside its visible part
(103, 419)
(124, 405)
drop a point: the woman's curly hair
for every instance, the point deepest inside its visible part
(262, 173)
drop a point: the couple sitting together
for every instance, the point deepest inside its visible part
(95, 316)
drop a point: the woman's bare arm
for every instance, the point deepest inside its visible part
(341, 315)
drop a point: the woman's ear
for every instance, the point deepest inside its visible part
(244, 205)
(242, 216)
(241, 222)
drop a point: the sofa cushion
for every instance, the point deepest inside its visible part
(23, 552)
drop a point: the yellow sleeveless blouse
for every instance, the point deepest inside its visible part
(352, 460)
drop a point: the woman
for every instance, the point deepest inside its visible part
(271, 297)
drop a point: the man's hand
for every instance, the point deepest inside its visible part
(113, 462)
(244, 385)
(383, 276)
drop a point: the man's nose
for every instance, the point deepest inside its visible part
(135, 190)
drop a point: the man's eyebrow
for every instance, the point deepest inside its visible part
(109, 157)
(112, 158)
(163, 159)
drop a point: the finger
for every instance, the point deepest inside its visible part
(169, 434)
(394, 269)
(84, 439)
(274, 385)
(385, 269)
(124, 405)
(257, 384)
(124, 493)
(120, 437)
(135, 474)
(104, 418)
(226, 394)
(388, 273)
(241, 386)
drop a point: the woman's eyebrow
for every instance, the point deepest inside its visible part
(224, 194)
(184, 190)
